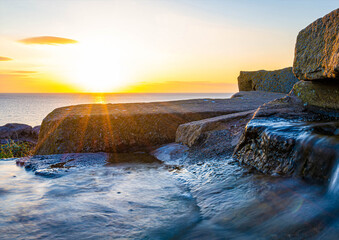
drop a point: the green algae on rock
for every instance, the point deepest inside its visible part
(318, 94)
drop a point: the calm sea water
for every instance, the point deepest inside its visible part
(32, 108)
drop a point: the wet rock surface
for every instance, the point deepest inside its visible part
(57, 165)
(317, 49)
(271, 81)
(132, 127)
(284, 138)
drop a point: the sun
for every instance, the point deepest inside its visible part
(97, 68)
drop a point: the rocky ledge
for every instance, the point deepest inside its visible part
(284, 138)
(132, 127)
(299, 135)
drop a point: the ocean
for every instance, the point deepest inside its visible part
(32, 108)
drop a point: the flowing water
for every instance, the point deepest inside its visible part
(205, 199)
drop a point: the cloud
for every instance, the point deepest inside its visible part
(5, 59)
(48, 40)
(23, 72)
(5, 74)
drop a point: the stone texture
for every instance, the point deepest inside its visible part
(132, 127)
(190, 133)
(323, 94)
(317, 49)
(284, 138)
(17, 132)
(57, 165)
(35, 131)
(271, 81)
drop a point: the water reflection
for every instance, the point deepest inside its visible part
(99, 98)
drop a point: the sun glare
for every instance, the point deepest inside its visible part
(98, 69)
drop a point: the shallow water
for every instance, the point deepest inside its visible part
(211, 199)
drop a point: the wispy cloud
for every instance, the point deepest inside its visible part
(48, 40)
(5, 59)
(16, 73)
(24, 72)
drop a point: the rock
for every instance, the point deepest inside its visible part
(134, 126)
(271, 81)
(35, 131)
(284, 138)
(171, 154)
(15, 131)
(57, 165)
(318, 94)
(317, 49)
(190, 133)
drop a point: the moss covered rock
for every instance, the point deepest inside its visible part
(318, 94)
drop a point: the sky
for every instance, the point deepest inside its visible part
(145, 45)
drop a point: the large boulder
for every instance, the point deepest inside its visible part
(134, 126)
(271, 81)
(317, 49)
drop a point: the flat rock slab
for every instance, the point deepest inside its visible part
(190, 133)
(133, 126)
(57, 165)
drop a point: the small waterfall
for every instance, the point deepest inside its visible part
(292, 148)
(333, 187)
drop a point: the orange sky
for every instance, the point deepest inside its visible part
(145, 46)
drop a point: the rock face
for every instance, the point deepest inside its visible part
(317, 59)
(319, 94)
(299, 135)
(284, 138)
(271, 81)
(193, 132)
(317, 49)
(17, 132)
(132, 127)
